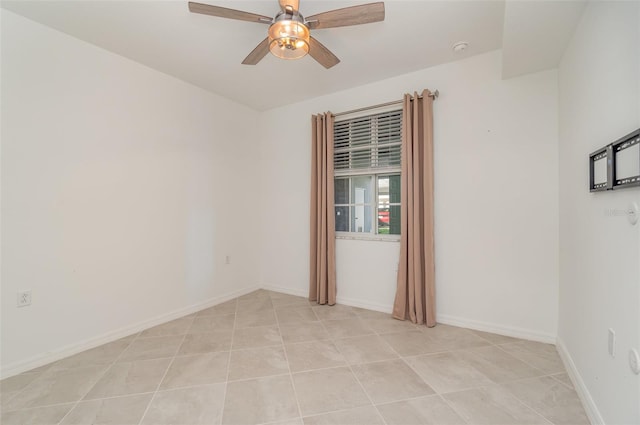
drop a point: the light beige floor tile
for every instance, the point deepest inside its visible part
(445, 338)
(552, 399)
(370, 314)
(344, 328)
(410, 343)
(206, 343)
(57, 387)
(101, 355)
(175, 327)
(431, 410)
(492, 405)
(497, 365)
(306, 303)
(256, 305)
(260, 400)
(445, 331)
(127, 378)
(113, 411)
(333, 312)
(193, 390)
(365, 349)
(494, 338)
(223, 309)
(5, 399)
(257, 294)
(257, 362)
(151, 348)
(297, 421)
(384, 325)
(251, 318)
(262, 336)
(199, 369)
(539, 355)
(327, 390)
(296, 315)
(281, 300)
(50, 415)
(17, 382)
(301, 332)
(366, 415)
(197, 405)
(447, 372)
(390, 380)
(205, 324)
(564, 378)
(313, 355)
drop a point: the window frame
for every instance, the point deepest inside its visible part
(375, 204)
(375, 174)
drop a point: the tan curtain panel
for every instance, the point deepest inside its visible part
(415, 294)
(322, 280)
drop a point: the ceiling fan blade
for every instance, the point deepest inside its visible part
(294, 4)
(355, 15)
(321, 54)
(258, 53)
(223, 12)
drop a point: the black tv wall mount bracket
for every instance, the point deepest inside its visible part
(617, 165)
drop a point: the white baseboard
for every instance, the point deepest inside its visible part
(495, 328)
(365, 304)
(578, 383)
(511, 331)
(71, 349)
(340, 300)
(291, 291)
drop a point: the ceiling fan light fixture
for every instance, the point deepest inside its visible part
(288, 35)
(288, 39)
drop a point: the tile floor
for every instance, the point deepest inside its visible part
(271, 358)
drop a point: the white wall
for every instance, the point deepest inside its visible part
(122, 191)
(496, 197)
(599, 82)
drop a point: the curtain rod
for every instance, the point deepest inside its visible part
(434, 95)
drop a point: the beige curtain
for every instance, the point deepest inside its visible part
(415, 294)
(322, 281)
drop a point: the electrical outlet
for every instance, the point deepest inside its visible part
(24, 298)
(612, 342)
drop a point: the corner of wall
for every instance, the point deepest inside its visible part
(581, 389)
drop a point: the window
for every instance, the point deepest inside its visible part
(367, 174)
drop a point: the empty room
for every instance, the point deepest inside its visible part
(319, 212)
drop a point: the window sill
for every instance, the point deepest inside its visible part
(366, 237)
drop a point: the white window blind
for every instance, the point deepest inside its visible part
(368, 144)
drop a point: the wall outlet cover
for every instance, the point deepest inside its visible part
(24, 298)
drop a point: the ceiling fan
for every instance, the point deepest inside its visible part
(289, 32)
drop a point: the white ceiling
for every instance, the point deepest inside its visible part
(208, 51)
